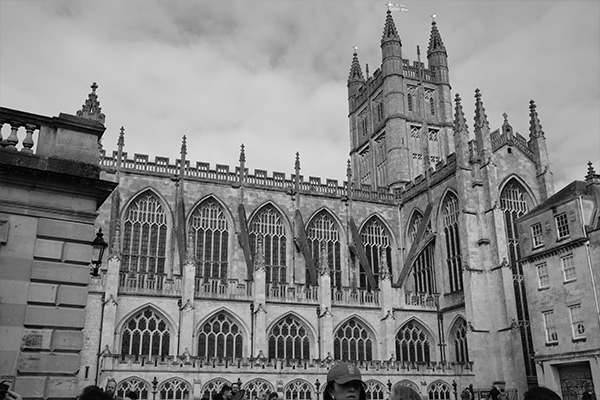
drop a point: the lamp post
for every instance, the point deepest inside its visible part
(98, 247)
(317, 386)
(454, 386)
(154, 388)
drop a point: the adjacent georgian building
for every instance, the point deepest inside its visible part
(560, 248)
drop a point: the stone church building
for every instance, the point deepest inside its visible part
(222, 275)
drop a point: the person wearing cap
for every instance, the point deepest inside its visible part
(344, 382)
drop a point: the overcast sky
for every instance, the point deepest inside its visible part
(272, 74)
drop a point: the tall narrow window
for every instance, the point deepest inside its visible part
(210, 236)
(220, 336)
(568, 267)
(550, 330)
(453, 257)
(137, 385)
(375, 238)
(353, 342)
(414, 224)
(289, 339)
(432, 105)
(543, 279)
(562, 226)
(145, 236)
(174, 389)
(267, 225)
(514, 204)
(537, 234)
(409, 100)
(461, 349)
(577, 322)
(424, 270)
(322, 231)
(145, 334)
(412, 344)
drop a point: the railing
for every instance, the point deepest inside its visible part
(23, 128)
(356, 297)
(425, 300)
(153, 284)
(223, 289)
(293, 293)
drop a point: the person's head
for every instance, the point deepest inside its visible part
(93, 393)
(227, 392)
(235, 387)
(403, 392)
(111, 386)
(465, 394)
(541, 393)
(344, 382)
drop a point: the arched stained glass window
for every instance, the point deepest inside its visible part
(145, 236)
(174, 389)
(459, 335)
(424, 270)
(257, 388)
(453, 256)
(412, 344)
(210, 236)
(267, 225)
(376, 240)
(375, 390)
(289, 339)
(439, 391)
(212, 388)
(220, 336)
(514, 203)
(353, 342)
(133, 384)
(145, 334)
(298, 389)
(323, 231)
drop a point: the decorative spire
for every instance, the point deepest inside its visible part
(535, 128)
(460, 123)
(592, 177)
(481, 120)
(91, 108)
(121, 141)
(259, 257)
(242, 153)
(183, 147)
(435, 39)
(355, 70)
(389, 30)
(297, 163)
(348, 171)
(591, 170)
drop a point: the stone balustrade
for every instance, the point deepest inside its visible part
(355, 297)
(421, 300)
(222, 289)
(153, 284)
(293, 293)
(22, 130)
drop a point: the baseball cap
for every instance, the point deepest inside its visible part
(343, 372)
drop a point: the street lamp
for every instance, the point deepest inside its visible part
(317, 386)
(98, 247)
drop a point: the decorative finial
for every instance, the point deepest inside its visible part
(433, 17)
(505, 116)
(297, 162)
(121, 141)
(460, 123)
(355, 50)
(396, 7)
(481, 120)
(242, 153)
(535, 127)
(591, 170)
(349, 170)
(91, 108)
(183, 146)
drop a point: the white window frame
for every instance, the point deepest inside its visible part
(562, 221)
(577, 322)
(549, 329)
(537, 237)
(572, 267)
(540, 276)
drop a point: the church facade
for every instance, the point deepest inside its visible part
(220, 275)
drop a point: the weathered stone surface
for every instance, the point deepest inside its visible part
(31, 386)
(36, 363)
(49, 249)
(38, 339)
(65, 387)
(71, 295)
(67, 340)
(42, 293)
(12, 314)
(64, 230)
(77, 252)
(54, 317)
(14, 269)
(56, 272)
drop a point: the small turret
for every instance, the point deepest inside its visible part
(91, 108)
(482, 129)
(506, 128)
(356, 79)
(437, 56)
(461, 133)
(537, 144)
(391, 47)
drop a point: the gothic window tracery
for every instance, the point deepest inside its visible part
(452, 237)
(213, 387)
(459, 336)
(298, 389)
(375, 390)
(145, 236)
(257, 388)
(439, 391)
(267, 225)
(353, 342)
(210, 238)
(412, 344)
(375, 239)
(424, 270)
(323, 231)
(145, 334)
(133, 384)
(289, 339)
(221, 337)
(174, 389)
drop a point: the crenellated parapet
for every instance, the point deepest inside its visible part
(443, 170)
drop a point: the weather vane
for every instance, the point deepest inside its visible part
(433, 17)
(397, 7)
(355, 49)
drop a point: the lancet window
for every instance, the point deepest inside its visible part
(375, 239)
(267, 225)
(289, 339)
(133, 384)
(353, 342)
(375, 390)
(221, 337)
(210, 237)
(145, 334)
(461, 349)
(412, 344)
(453, 256)
(424, 270)
(145, 236)
(323, 231)
(298, 389)
(174, 389)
